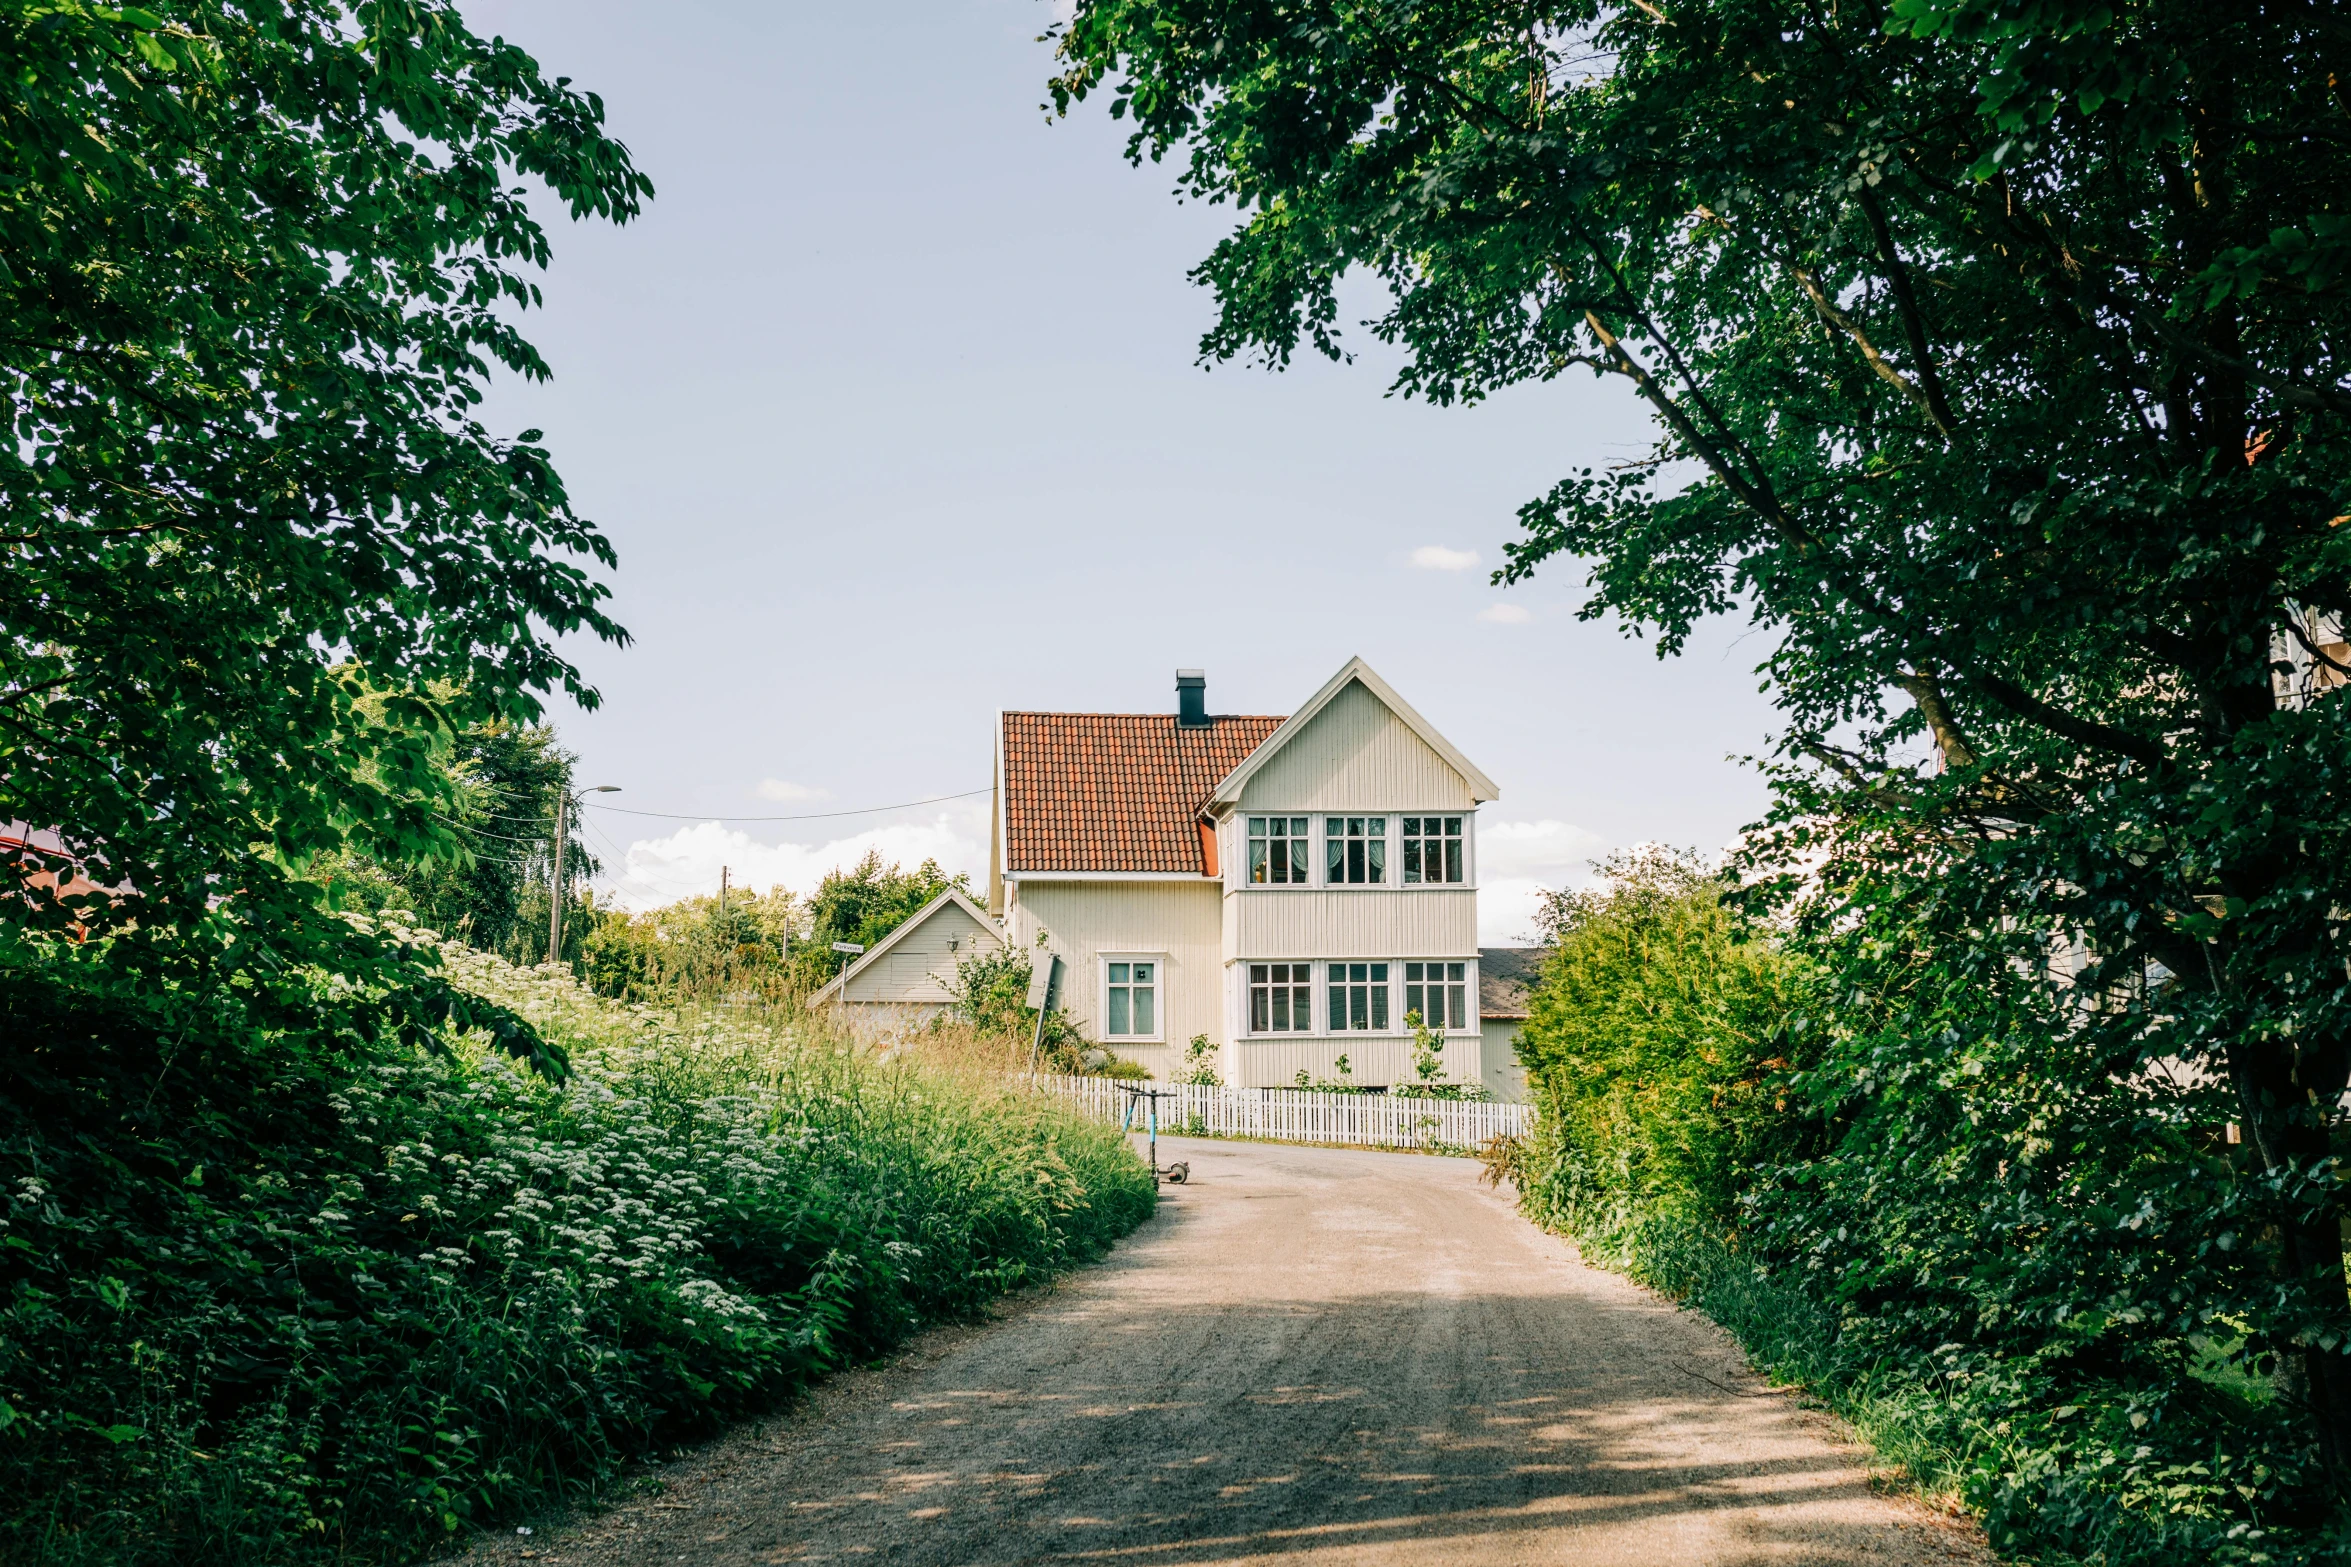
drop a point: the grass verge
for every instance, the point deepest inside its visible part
(271, 1299)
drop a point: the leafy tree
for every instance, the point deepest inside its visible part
(991, 994)
(257, 263)
(1994, 352)
(1653, 1046)
(490, 887)
(695, 946)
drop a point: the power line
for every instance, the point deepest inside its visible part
(807, 816)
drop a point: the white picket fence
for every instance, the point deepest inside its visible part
(1297, 1115)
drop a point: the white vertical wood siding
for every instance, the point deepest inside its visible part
(1355, 755)
(1499, 1069)
(1311, 922)
(1373, 1060)
(1177, 919)
(920, 968)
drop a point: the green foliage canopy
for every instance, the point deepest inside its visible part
(257, 263)
(1654, 1046)
(1994, 348)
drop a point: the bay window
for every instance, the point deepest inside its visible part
(1432, 849)
(1281, 998)
(1438, 992)
(1357, 850)
(1359, 997)
(1277, 851)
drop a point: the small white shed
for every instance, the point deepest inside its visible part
(912, 970)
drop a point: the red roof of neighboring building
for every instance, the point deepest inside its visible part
(1115, 792)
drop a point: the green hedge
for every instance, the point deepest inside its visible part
(267, 1300)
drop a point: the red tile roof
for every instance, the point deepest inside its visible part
(1115, 791)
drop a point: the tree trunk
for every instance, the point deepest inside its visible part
(2286, 1122)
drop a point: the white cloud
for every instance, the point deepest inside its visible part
(1435, 557)
(1520, 861)
(1505, 614)
(685, 863)
(785, 792)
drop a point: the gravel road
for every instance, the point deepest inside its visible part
(1312, 1356)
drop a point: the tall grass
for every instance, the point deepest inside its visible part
(271, 1301)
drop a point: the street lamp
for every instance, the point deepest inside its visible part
(558, 882)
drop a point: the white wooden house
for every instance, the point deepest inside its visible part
(1291, 888)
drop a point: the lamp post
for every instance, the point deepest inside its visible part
(557, 880)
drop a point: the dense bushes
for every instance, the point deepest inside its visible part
(2034, 1280)
(271, 1300)
(1652, 1046)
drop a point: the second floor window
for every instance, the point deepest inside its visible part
(1281, 998)
(1134, 1000)
(1277, 850)
(1432, 849)
(1358, 850)
(1359, 996)
(1439, 992)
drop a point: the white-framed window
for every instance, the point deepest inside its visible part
(1438, 992)
(1281, 998)
(1355, 850)
(1278, 854)
(1358, 998)
(1433, 852)
(1130, 998)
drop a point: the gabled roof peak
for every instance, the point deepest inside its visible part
(1355, 672)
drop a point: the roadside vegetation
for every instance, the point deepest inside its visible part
(1979, 1267)
(281, 1296)
(1995, 354)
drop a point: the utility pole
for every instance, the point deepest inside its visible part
(722, 894)
(558, 881)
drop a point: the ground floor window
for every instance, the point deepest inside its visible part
(1281, 998)
(1359, 996)
(1439, 992)
(1134, 1000)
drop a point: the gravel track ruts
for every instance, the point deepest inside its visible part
(1311, 1356)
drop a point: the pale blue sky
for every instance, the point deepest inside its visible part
(890, 406)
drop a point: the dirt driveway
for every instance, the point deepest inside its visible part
(1313, 1357)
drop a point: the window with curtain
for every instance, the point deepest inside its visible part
(1281, 998)
(1359, 997)
(1358, 850)
(1439, 992)
(1134, 1001)
(1277, 851)
(1432, 850)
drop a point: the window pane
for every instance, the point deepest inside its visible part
(1376, 826)
(1453, 859)
(1378, 848)
(1258, 1020)
(1281, 858)
(1356, 1001)
(1144, 1022)
(1338, 855)
(1379, 973)
(1411, 826)
(1454, 994)
(1257, 858)
(1256, 973)
(1118, 973)
(1453, 971)
(1142, 973)
(1453, 826)
(1118, 1011)
(1280, 997)
(1256, 826)
(1411, 855)
(1338, 1012)
(1379, 1006)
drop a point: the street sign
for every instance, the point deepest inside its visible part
(1042, 979)
(850, 947)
